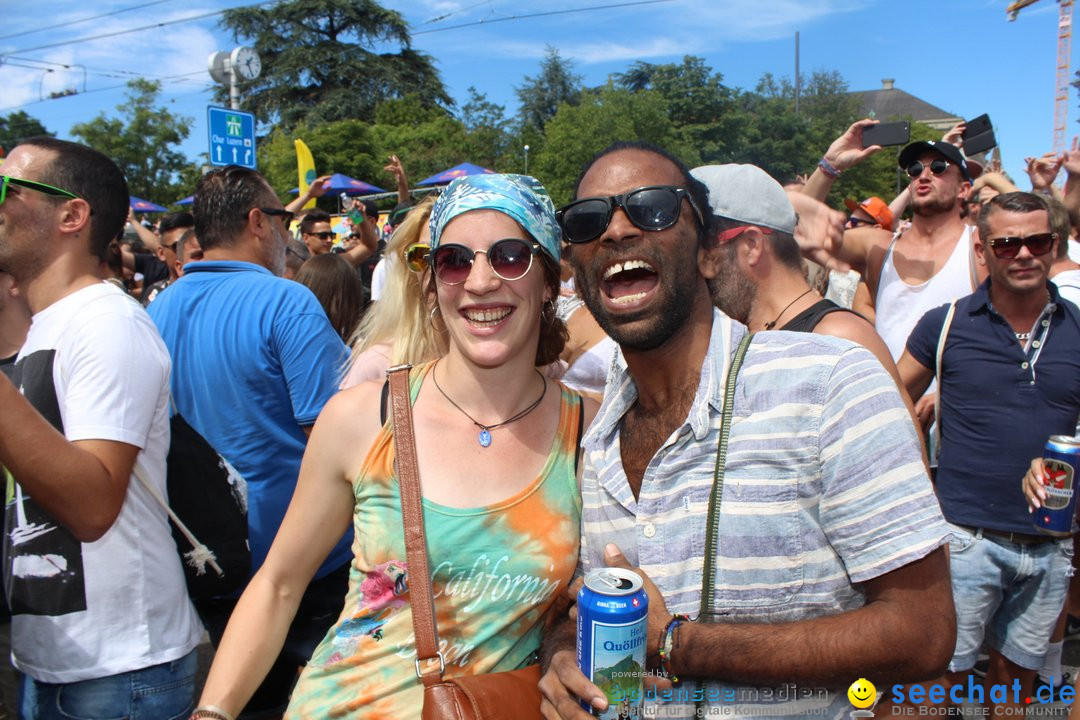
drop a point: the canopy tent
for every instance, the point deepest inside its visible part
(455, 172)
(189, 200)
(350, 186)
(145, 206)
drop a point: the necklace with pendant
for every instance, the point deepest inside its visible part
(484, 438)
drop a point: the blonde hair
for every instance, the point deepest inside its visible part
(401, 315)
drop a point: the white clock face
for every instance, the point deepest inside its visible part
(246, 62)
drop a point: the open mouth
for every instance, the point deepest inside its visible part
(487, 317)
(627, 282)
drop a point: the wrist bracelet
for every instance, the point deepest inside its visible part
(828, 168)
(210, 712)
(667, 643)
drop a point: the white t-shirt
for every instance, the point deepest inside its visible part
(378, 278)
(119, 603)
(1068, 284)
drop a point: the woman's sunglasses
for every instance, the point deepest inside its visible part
(1006, 248)
(416, 256)
(937, 167)
(510, 259)
(651, 208)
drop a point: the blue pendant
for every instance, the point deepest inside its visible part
(485, 438)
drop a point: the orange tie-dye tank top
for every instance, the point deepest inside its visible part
(496, 570)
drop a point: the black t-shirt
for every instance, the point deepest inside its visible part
(808, 319)
(152, 269)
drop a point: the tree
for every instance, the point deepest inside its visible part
(541, 96)
(18, 126)
(141, 142)
(578, 132)
(318, 64)
(426, 140)
(705, 111)
(486, 127)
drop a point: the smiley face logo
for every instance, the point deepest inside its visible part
(862, 693)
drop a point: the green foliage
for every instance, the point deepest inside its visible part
(142, 142)
(487, 132)
(18, 126)
(577, 132)
(344, 146)
(319, 64)
(541, 96)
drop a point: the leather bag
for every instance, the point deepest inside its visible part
(491, 696)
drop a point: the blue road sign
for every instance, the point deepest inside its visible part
(232, 137)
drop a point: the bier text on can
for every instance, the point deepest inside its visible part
(613, 611)
(1060, 461)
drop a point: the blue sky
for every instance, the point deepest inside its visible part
(961, 55)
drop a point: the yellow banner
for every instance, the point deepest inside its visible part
(305, 168)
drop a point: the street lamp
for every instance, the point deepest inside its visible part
(526, 159)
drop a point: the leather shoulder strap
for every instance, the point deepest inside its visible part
(412, 513)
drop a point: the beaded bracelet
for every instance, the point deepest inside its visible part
(667, 643)
(210, 712)
(828, 168)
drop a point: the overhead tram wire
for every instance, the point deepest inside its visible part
(153, 26)
(85, 19)
(540, 14)
(173, 78)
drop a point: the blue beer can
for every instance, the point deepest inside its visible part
(1058, 512)
(613, 611)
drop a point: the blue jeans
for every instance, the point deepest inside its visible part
(1009, 593)
(159, 692)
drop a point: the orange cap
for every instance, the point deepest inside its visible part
(875, 207)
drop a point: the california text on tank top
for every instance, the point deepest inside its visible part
(900, 305)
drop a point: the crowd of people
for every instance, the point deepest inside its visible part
(815, 435)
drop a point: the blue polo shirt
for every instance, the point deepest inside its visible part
(999, 403)
(254, 360)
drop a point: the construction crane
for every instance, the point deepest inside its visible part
(1064, 49)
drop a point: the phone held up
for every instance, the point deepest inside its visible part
(890, 133)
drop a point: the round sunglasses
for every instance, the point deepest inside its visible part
(937, 167)
(416, 256)
(1008, 247)
(509, 258)
(652, 208)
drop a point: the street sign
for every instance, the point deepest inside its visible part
(232, 137)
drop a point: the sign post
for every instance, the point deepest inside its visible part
(232, 137)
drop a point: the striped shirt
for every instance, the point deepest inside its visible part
(824, 488)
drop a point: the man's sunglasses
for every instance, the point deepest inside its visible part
(854, 222)
(1006, 248)
(285, 215)
(651, 208)
(326, 235)
(416, 256)
(510, 259)
(937, 167)
(6, 180)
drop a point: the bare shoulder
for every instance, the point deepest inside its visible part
(865, 240)
(857, 329)
(352, 415)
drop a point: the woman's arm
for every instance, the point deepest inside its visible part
(319, 513)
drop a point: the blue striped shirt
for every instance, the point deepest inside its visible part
(824, 488)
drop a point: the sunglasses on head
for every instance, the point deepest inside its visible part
(937, 167)
(7, 180)
(651, 208)
(510, 259)
(416, 256)
(1008, 247)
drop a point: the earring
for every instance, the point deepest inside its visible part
(547, 312)
(431, 317)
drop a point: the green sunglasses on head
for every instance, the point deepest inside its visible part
(6, 180)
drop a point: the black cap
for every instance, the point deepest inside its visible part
(949, 151)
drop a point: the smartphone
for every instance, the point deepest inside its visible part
(978, 135)
(890, 133)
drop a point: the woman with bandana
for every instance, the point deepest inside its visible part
(497, 444)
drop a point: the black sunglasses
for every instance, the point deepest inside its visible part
(1006, 248)
(322, 235)
(285, 215)
(510, 259)
(652, 208)
(854, 222)
(937, 167)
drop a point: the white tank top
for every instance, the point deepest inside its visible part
(900, 305)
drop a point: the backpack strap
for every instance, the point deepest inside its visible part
(200, 556)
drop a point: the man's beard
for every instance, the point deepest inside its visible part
(733, 292)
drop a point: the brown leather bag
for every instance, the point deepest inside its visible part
(492, 696)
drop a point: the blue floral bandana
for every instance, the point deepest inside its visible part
(521, 197)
